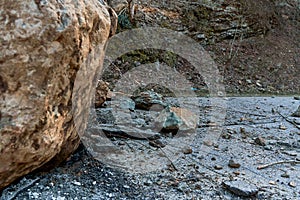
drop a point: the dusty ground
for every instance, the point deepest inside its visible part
(201, 172)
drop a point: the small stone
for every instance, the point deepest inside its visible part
(248, 81)
(126, 186)
(201, 36)
(156, 143)
(297, 98)
(241, 188)
(218, 167)
(226, 136)
(285, 175)
(258, 84)
(208, 143)
(233, 164)
(173, 119)
(292, 184)
(76, 183)
(188, 151)
(260, 141)
(282, 127)
(242, 130)
(272, 182)
(237, 172)
(273, 110)
(147, 99)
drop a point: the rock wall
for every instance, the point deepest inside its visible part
(43, 45)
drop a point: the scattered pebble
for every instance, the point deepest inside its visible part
(145, 100)
(242, 130)
(126, 186)
(285, 175)
(260, 141)
(208, 143)
(249, 81)
(272, 182)
(237, 172)
(282, 127)
(297, 97)
(258, 84)
(241, 188)
(76, 183)
(292, 184)
(188, 151)
(226, 136)
(218, 167)
(156, 143)
(233, 164)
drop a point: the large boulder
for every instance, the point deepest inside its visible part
(43, 46)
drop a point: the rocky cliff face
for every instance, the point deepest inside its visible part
(43, 46)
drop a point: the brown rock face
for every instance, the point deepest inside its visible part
(43, 46)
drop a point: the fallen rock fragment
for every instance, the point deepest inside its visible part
(233, 164)
(282, 127)
(297, 97)
(272, 182)
(208, 143)
(292, 184)
(241, 188)
(173, 119)
(148, 100)
(285, 175)
(187, 151)
(125, 131)
(218, 167)
(260, 141)
(156, 143)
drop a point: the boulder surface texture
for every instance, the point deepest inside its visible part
(43, 46)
